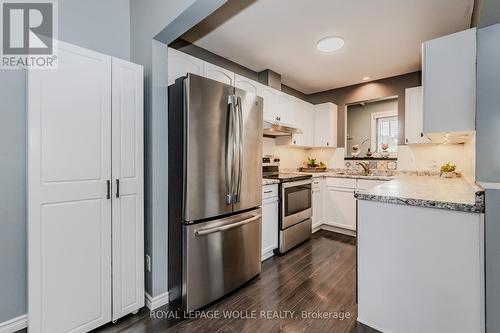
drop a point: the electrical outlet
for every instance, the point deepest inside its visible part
(148, 262)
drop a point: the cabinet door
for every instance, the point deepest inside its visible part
(325, 125)
(414, 114)
(128, 183)
(217, 73)
(287, 109)
(179, 64)
(340, 208)
(305, 121)
(317, 205)
(69, 213)
(449, 82)
(269, 226)
(270, 97)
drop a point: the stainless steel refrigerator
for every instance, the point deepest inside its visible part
(215, 190)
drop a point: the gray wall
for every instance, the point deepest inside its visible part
(488, 160)
(155, 24)
(99, 25)
(147, 19)
(393, 86)
(12, 194)
(488, 104)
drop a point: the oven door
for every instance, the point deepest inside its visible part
(296, 202)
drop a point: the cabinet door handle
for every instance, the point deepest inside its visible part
(108, 189)
(406, 140)
(421, 134)
(117, 188)
(265, 192)
(327, 143)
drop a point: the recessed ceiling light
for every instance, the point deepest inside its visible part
(330, 44)
(366, 78)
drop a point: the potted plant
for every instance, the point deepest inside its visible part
(448, 170)
(312, 165)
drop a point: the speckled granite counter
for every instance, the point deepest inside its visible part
(428, 191)
(333, 174)
(269, 181)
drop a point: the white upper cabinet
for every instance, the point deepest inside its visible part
(179, 64)
(325, 125)
(217, 73)
(305, 121)
(414, 116)
(270, 96)
(449, 83)
(287, 109)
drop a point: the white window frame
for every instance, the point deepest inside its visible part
(374, 117)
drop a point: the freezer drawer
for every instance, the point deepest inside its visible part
(218, 257)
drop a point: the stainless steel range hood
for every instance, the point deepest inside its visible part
(279, 129)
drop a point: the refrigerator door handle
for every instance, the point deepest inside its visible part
(206, 231)
(229, 162)
(240, 149)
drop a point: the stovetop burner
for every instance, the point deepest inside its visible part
(286, 176)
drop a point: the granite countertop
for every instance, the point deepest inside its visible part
(428, 191)
(269, 181)
(336, 174)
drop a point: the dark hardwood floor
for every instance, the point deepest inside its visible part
(318, 276)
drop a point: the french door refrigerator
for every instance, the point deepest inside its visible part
(215, 190)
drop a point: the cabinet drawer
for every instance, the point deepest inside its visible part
(364, 184)
(341, 182)
(269, 191)
(317, 182)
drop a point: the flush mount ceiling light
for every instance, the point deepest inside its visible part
(367, 78)
(330, 44)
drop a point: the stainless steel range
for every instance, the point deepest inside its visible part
(295, 209)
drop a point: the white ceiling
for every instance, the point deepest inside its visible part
(382, 37)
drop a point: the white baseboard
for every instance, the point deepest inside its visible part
(267, 253)
(364, 322)
(155, 302)
(14, 324)
(335, 229)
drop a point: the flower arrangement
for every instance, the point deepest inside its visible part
(448, 170)
(312, 164)
(355, 150)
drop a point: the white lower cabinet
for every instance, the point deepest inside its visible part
(270, 217)
(334, 203)
(340, 207)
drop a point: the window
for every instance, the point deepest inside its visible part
(385, 131)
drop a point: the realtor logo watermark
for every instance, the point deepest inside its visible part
(29, 34)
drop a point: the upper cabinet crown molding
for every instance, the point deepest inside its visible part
(449, 83)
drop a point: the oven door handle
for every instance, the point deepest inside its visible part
(206, 231)
(297, 183)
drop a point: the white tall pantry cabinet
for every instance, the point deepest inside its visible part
(85, 192)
